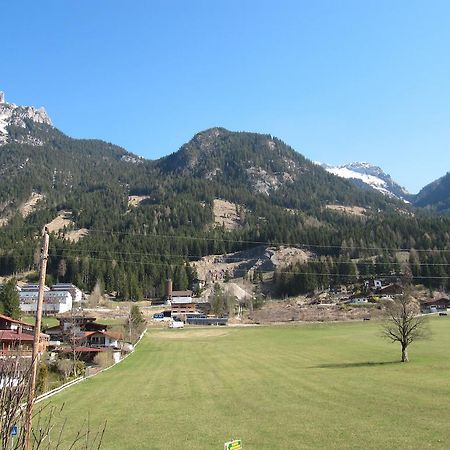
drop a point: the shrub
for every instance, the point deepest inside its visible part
(104, 359)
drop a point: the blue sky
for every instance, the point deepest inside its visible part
(338, 80)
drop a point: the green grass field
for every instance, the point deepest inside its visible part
(324, 386)
(47, 321)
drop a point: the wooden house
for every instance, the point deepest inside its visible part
(16, 338)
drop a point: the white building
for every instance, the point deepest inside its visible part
(55, 302)
(30, 288)
(76, 293)
(181, 297)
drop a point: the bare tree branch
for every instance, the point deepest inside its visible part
(405, 324)
(48, 427)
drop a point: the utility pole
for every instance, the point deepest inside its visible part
(37, 336)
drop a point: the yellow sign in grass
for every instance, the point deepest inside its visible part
(235, 444)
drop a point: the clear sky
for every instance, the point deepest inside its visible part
(340, 81)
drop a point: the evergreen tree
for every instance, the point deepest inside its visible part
(9, 300)
(135, 323)
(181, 281)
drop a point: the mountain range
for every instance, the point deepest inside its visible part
(129, 223)
(366, 175)
(435, 196)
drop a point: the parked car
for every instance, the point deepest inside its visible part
(176, 324)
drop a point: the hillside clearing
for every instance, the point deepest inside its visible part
(76, 235)
(352, 210)
(214, 267)
(136, 200)
(27, 207)
(294, 387)
(64, 219)
(225, 213)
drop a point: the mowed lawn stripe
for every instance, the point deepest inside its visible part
(314, 386)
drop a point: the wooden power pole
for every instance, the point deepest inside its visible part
(36, 341)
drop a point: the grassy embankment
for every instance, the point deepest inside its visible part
(47, 321)
(313, 386)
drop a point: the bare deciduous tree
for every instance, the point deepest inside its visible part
(72, 335)
(405, 324)
(48, 427)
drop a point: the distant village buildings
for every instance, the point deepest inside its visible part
(184, 309)
(58, 299)
(86, 337)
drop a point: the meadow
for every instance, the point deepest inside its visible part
(330, 386)
(47, 321)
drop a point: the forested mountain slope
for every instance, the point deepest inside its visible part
(146, 220)
(435, 195)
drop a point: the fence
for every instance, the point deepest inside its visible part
(57, 390)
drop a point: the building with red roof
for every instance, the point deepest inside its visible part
(16, 337)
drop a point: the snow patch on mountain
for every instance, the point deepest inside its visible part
(344, 172)
(366, 174)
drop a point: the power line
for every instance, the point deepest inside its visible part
(265, 243)
(145, 263)
(269, 243)
(230, 260)
(71, 252)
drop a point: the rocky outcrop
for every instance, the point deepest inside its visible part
(13, 115)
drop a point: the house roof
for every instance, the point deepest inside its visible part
(441, 301)
(10, 319)
(7, 335)
(181, 301)
(181, 294)
(111, 334)
(391, 287)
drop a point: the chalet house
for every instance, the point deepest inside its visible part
(183, 308)
(181, 303)
(88, 344)
(74, 325)
(391, 290)
(434, 306)
(16, 338)
(102, 339)
(181, 297)
(86, 337)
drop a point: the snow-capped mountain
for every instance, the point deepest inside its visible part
(367, 175)
(12, 115)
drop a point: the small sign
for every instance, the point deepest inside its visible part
(235, 444)
(14, 430)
